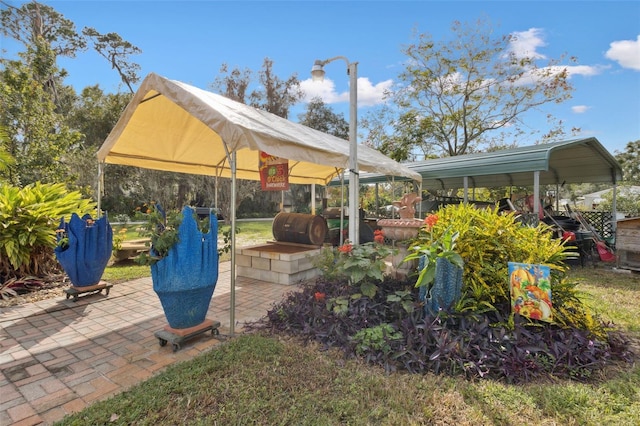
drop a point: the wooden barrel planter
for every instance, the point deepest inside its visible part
(300, 228)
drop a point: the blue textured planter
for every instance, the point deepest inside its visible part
(446, 288)
(88, 251)
(186, 277)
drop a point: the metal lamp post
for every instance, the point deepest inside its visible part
(317, 74)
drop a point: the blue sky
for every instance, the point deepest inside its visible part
(190, 40)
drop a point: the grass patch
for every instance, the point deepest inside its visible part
(125, 270)
(260, 379)
(613, 295)
(251, 230)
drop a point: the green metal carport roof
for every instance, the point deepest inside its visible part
(573, 161)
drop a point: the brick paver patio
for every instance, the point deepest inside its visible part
(58, 356)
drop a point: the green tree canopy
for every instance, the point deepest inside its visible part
(629, 160)
(468, 93)
(320, 117)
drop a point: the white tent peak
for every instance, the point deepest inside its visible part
(173, 126)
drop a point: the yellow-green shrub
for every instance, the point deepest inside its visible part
(29, 217)
(487, 241)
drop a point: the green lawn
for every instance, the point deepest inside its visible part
(259, 379)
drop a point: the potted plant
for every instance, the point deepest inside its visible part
(84, 248)
(440, 268)
(184, 264)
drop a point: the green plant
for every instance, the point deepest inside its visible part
(226, 241)
(362, 265)
(118, 238)
(326, 263)
(487, 241)
(404, 298)
(29, 217)
(375, 339)
(428, 253)
(162, 229)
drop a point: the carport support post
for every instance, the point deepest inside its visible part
(465, 194)
(536, 193)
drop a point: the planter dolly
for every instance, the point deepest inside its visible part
(75, 292)
(176, 336)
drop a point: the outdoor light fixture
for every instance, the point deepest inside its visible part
(317, 71)
(317, 74)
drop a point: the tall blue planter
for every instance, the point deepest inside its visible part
(446, 288)
(186, 277)
(87, 253)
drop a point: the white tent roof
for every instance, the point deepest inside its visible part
(169, 125)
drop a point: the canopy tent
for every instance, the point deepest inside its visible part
(172, 126)
(582, 160)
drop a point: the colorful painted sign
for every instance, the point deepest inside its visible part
(274, 172)
(531, 290)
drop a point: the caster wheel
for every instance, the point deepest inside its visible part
(215, 332)
(176, 347)
(162, 342)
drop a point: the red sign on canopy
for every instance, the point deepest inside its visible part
(274, 172)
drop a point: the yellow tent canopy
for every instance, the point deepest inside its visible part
(172, 126)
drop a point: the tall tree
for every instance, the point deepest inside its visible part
(274, 95)
(320, 117)
(629, 160)
(45, 134)
(399, 137)
(94, 113)
(38, 138)
(234, 83)
(34, 24)
(6, 160)
(34, 20)
(117, 51)
(473, 91)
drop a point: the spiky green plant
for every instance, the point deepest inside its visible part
(29, 217)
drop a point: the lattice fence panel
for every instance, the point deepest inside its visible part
(602, 222)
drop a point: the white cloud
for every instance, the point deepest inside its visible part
(585, 70)
(626, 53)
(580, 109)
(526, 43)
(368, 93)
(530, 77)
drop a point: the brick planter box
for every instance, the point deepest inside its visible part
(279, 263)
